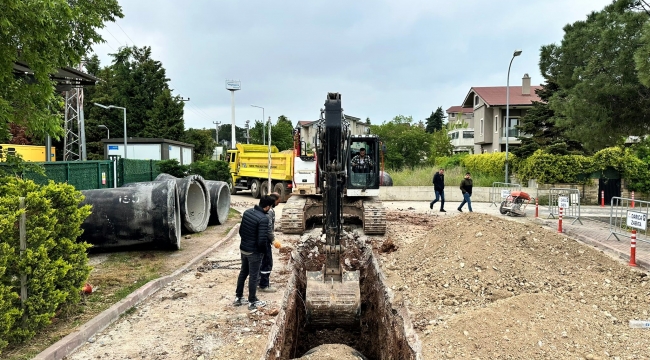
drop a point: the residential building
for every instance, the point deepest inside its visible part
(488, 106)
(308, 129)
(461, 128)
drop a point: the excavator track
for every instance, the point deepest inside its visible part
(374, 217)
(293, 216)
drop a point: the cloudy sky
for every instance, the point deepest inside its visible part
(386, 57)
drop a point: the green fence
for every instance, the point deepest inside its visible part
(130, 171)
(83, 175)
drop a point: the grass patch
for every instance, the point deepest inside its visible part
(453, 176)
(232, 213)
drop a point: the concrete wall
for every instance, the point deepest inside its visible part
(425, 193)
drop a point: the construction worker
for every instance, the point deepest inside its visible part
(267, 261)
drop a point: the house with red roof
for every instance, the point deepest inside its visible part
(487, 124)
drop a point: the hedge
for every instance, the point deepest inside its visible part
(208, 169)
(492, 164)
(55, 264)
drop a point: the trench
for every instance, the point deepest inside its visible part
(383, 332)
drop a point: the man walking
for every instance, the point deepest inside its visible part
(253, 230)
(267, 260)
(466, 189)
(439, 189)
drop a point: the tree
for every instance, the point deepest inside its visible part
(282, 133)
(435, 121)
(203, 142)
(600, 98)
(166, 118)
(46, 35)
(368, 121)
(225, 132)
(407, 145)
(539, 130)
(441, 144)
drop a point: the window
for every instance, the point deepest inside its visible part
(496, 124)
(476, 101)
(481, 127)
(468, 134)
(453, 115)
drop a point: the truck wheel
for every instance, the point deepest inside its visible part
(264, 188)
(233, 189)
(255, 189)
(281, 189)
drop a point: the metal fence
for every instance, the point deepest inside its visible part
(623, 218)
(569, 199)
(83, 175)
(500, 191)
(131, 170)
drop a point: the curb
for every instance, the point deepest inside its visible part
(642, 264)
(71, 342)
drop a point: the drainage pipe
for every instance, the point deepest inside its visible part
(219, 201)
(146, 213)
(195, 201)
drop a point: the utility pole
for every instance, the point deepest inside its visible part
(248, 136)
(216, 137)
(232, 86)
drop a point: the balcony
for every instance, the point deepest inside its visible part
(461, 139)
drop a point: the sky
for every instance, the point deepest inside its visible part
(385, 57)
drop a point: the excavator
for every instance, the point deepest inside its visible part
(338, 185)
(358, 184)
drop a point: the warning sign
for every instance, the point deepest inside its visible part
(103, 178)
(637, 220)
(505, 193)
(563, 202)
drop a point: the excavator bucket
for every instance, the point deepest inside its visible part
(333, 303)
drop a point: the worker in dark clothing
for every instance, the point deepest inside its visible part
(439, 189)
(253, 230)
(466, 188)
(267, 261)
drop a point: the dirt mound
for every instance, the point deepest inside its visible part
(483, 287)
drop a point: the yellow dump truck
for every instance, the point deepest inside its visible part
(249, 167)
(27, 152)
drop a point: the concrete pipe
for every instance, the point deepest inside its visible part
(219, 200)
(195, 201)
(147, 213)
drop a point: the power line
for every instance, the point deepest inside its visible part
(113, 37)
(127, 35)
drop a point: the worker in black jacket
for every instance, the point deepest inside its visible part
(267, 260)
(253, 231)
(466, 188)
(439, 189)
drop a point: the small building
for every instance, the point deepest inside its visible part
(149, 149)
(309, 128)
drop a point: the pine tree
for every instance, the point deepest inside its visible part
(435, 121)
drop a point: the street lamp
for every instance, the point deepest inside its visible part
(108, 132)
(516, 53)
(263, 134)
(117, 107)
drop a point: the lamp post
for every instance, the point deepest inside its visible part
(117, 107)
(516, 53)
(108, 132)
(263, 130)
(269, 155)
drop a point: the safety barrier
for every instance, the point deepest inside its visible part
(623, 218)
(500, 191)
(568, 199)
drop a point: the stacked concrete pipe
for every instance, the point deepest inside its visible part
(195, 201)
(219, 200)
(129, 215)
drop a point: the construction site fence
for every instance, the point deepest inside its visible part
(94, 174)
(626, 215)
(500, 191)
(569, 199)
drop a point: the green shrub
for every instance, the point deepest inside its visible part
(173, 168)
(489, 164)
(211, 170)
(55, 264)
(445, 162)
(553, 169)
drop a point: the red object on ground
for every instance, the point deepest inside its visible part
(632, 199)
(559, 223)
(87, 289)
(520, 194)
(536, 208)
(633, 249)
(602, 198)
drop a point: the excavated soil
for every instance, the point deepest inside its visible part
(481, 287)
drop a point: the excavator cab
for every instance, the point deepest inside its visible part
(363, 166)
